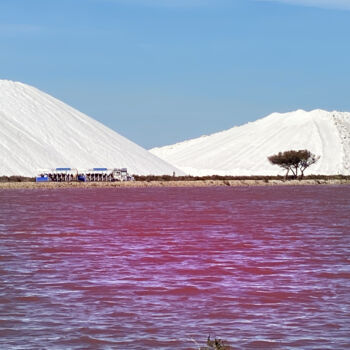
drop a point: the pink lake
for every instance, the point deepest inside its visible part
(262, 267)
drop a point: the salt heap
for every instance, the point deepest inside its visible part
(38, 131)
(244, 150)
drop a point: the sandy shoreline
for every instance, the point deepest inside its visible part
(196, 183)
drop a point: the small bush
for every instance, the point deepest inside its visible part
(216, 344)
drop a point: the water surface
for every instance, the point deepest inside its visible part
(263, 267)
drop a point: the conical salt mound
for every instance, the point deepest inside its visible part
(244, 150)
(38, 131)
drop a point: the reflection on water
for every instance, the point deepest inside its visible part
(150, 268)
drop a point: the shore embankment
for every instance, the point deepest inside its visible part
(158, 183)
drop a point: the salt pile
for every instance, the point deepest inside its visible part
(244, 150)
(38, 131)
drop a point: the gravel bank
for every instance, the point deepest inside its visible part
(197, 183)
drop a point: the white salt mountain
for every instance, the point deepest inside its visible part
(38, 131)
(244, 150)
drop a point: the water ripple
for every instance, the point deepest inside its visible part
(150, 268)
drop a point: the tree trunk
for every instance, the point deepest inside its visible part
(294, 174)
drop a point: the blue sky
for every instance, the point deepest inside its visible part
(162, 71)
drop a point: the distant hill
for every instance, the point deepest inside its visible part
(244, 150)
(38, 131)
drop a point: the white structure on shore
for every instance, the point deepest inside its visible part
(38, 131)
(244, 150)
(86, 175)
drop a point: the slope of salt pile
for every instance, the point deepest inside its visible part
(244, 150)
(38, 131)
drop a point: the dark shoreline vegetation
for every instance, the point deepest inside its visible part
(16, 178)
(150, 178)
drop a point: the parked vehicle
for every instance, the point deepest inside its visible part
(90, 175)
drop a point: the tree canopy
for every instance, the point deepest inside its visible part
(294, 161)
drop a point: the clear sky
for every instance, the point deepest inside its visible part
(162, 71)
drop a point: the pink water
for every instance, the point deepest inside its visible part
(264, 268)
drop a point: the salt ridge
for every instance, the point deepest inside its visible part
(243, 150)
(38, 131)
